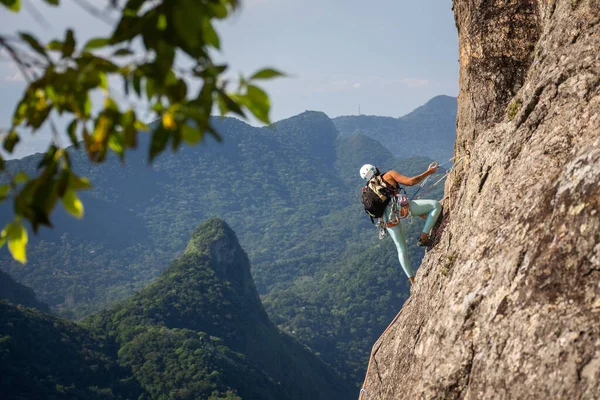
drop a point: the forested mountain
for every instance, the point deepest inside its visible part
(44, 357)
(207, 304)
(16, 293)
(429, 130)
(341, 310)
(198, 332)
(291, 194)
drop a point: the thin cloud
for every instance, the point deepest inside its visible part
(333, 83)
(413, 82)
(410, 82)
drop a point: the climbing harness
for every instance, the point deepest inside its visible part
(398, 210)
(383, 233)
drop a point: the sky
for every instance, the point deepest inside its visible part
(388, 57)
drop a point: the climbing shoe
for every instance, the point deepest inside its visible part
(424, 243)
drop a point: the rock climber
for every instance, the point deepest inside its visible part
(398, 207)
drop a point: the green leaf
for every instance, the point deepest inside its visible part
(177, 92)
(72, 204)
(13, 5)
(129, 133)
(128, 27)
(140, 126)
(190, 134)
(258, 103)
(87, 109)
(103, 81)
(72, 131)
(266, 73)
(55, 45)
(21, 177)
(115, 142)
(210, 35)
(219, 10)
(137, 83)
(16, 234)
(223, 109)
(165, 57)
(215, 134)
(59, 186)
(150, 88)
(51, 93)
(123, 52)
(52, 2)
(158, 107)
(69, 46)
(11, 141)
(4, 189)
(160, 138)
(187, 21)
(161, 25)
(96, 43)
(79, 182)
(227, 103)
(34, 44)
(110, 104)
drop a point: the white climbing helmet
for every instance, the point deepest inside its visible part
(367, 171)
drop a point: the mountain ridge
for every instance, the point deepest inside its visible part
(294, 212)
(428, 130)
(19, 294)
(209, 290)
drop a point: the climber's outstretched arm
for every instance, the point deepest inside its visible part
(406, 181)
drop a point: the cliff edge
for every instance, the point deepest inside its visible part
(507, 304)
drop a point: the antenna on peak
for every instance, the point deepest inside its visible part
(359, 109)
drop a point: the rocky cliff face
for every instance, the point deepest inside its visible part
(507, 305)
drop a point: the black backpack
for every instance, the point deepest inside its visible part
(376, 195)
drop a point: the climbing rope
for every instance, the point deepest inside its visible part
(399, 204)
(439, 180)
(421, 186)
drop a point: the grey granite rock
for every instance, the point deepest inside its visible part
(507, 304)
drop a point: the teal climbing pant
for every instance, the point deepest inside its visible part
(416, 207)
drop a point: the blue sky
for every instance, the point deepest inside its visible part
(389, 56)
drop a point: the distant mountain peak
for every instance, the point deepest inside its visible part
(438, 104)
(442, 98)
(215, 239)
(209, 291)
(429, 130)
(17, 293)
(311, 114)
(209, 233)
(309, 120)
